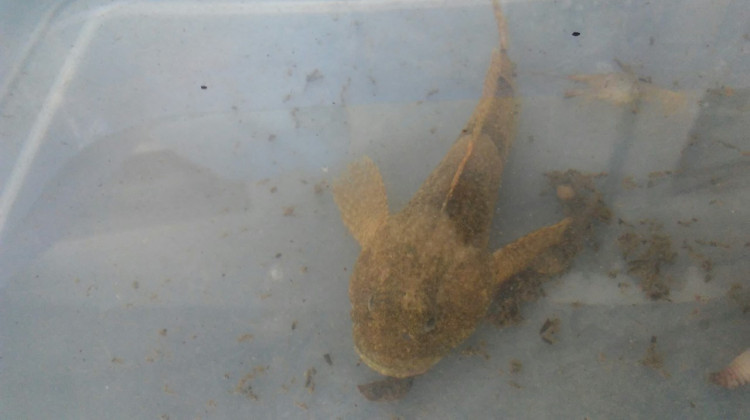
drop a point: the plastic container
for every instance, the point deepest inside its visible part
(170, 249)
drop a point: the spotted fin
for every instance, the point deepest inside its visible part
(516, 256)
(361, 198)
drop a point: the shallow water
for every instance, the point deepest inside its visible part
(175, 251)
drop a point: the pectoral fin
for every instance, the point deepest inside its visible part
(360, 196)
(516, 256)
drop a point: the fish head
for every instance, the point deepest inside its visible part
(416, 291)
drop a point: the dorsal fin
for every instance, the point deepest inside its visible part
(459, 171)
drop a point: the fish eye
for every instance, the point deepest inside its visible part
(430, 324)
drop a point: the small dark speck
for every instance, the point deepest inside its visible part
(204, 87)
(294, 325)
(313, 76)
(278, 255)
(576, 33)
(328, 359)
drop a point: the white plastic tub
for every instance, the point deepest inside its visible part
(170, 249)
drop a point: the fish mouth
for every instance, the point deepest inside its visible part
(398, 368)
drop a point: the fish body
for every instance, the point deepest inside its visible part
(425, 278)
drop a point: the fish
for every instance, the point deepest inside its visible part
(425, 277)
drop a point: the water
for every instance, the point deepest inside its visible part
(169, 250)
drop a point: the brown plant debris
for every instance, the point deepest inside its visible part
(654, 359)
(549, 330)
(388, 389)
(740, 296)
(244, 385)
(646, 249)
(310, 380)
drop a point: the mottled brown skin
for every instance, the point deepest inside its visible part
(425, 277)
